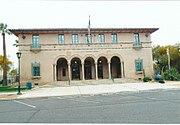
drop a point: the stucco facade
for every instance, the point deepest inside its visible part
(52, 61)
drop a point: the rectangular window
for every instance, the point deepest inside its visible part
(74, 38)
(136, 39)
(61, 38)
(139, 65)
(35, 41)
(88, 38)
(101, 38)
(114, 38)
(35, 69)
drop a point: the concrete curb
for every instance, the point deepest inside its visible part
(86, 90)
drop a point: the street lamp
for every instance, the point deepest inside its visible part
(19, 88)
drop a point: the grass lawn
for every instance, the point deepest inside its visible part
(9, 89)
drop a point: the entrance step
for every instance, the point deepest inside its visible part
(92, 82)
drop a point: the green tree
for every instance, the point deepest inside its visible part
(161, 58)
(175, 57)
(16, 44)
(3, 31)
(14, 71)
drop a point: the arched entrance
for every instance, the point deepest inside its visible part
(76, 68)
(102, 68)
(62, 69)
(89, 68)
(115, 67)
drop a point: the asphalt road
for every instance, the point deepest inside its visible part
(158, 106)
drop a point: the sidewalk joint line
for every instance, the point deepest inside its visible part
(79, 90)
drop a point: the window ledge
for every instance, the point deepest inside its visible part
(138, 46)
(36, 77)
(139, 72)
(35, 50)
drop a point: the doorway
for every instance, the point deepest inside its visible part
(115, 67)
(100, 69)
(75, 69)
(62, 70)
(87, 70)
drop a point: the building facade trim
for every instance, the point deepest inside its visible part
(71, 61)
(81, 30)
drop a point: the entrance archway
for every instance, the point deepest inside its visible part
(62, 69)
(102, 68)
(76, 68)
(115, 67)
(89, 68)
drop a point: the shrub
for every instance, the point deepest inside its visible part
(140, 79)
(161, 81)
(172, 74)
(146, 79)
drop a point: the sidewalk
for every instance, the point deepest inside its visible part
(88, 90)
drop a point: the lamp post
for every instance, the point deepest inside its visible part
(19, 88)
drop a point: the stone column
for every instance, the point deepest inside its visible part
(54, 72)
(96, 68)
(69, 71)
(82, 71)
(109, 67)
(122, 69)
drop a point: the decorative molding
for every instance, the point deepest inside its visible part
(36, 77)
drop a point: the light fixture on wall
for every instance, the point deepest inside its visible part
(146, 34)
(23, 36)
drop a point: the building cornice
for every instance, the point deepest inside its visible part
(81, 30)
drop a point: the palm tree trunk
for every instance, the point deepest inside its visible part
(4, 62)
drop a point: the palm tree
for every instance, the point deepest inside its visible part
(3, 31)
(16, 44)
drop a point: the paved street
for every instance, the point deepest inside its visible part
(155, 106)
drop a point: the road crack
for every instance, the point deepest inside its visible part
(32, 115)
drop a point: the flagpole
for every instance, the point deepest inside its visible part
(89, 31)
(89, 25)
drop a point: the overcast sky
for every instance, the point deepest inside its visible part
(75, 14)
